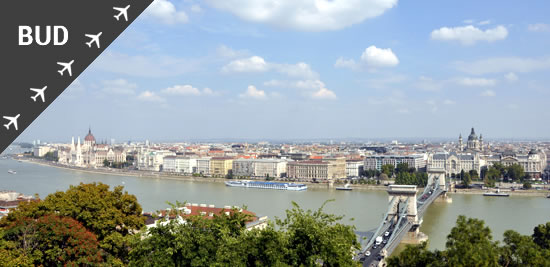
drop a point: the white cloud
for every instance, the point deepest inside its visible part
(227, 52)
(145, 66)
(511, 77)
(468, 21)
(379, 57)
(433, 105)
(251, 64)
(149, 96)
(324, 93)
(300, 69)
(503, 64)
(188, 90)
(345, 63)
(182, 90)
(485, 22)
(448, 102)
(513, 106)
(165, 12)
(315, 89)
(489, 93)
(253, 92)
(469, 35)
(196, 8)
(305, 15)
(373, 57)
(119, 87)
(539, 27)
(476, 82)
(258, 64)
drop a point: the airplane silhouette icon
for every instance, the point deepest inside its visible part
(95, 39)
(122, 11)
(66, 67)
(39, 93)
(13, 121)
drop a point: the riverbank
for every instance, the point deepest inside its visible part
(158, 175)
(531, 192)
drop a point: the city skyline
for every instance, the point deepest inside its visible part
(189, 70)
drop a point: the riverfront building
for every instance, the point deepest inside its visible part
(324, 170)
(221, 166)
(534, 163)
(375, 162)
(274, 168)
(455, 162)
(354, 167)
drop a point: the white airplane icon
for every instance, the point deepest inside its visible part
(95, 39)
(123, 11)
(66, 67)
(39, 93)
(13, 120)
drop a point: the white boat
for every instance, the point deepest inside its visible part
(267, 185)
(497, 193)
(12, 172)
(346, 187)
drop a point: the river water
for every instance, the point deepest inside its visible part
(364, 209)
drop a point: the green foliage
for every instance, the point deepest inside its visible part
(315, 235)
(467, 180)
(111, 215)
(541, 235)
(474, 174)
(51, 240)
(416, 256)
(388, 169)
(50, 156)
(303, 238)
(527, 185)
(515, 172)
(402, 167)
(470, 244)
(417, 178)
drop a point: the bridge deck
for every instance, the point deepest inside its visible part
(397, 229)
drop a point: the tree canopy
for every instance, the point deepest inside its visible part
(470, 244)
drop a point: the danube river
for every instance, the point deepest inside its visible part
(364, 207)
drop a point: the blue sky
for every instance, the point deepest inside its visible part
(299, 69)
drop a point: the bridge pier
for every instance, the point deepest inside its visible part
(444, 198)
(414, 237)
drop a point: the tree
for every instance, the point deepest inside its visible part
(417, 256)
(314, 236)
(106, 163)
(111, 215)
(388, 169)
(515, 172)
(462, 174)
(474, 174)
(402, 167)
(52, 240)
(467, 180)
(527, 185)
(304, 238)
(520, 250)
(541, 235)
(470, 243)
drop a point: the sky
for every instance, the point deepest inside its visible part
(299, 69)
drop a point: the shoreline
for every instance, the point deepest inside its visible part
(361, 187)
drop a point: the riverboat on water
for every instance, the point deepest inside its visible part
(267, 185)
(497, 193)
(346, 187)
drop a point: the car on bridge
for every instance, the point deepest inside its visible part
(387, 233)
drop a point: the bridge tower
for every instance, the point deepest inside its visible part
(404, 194)
(434, 174)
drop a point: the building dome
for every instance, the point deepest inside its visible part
(532, 152)
(90, 137)
(472, 135)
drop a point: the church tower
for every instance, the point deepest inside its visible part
(460, 145)
(480, 142)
